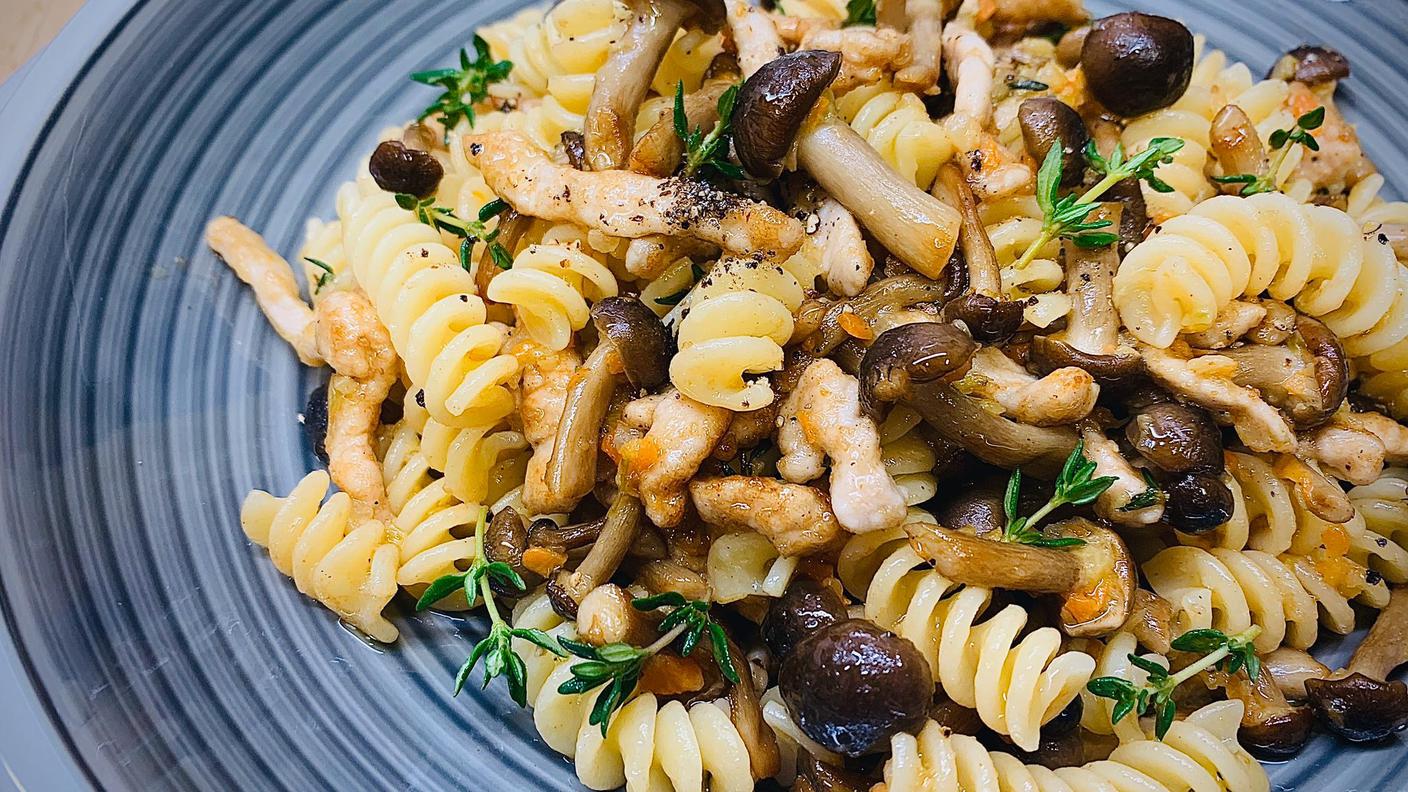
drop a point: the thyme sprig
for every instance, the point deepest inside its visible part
(1064, 217)
(1228, 652)
(860, 12)
(1149, 497)
(463, 87)
(469, 231)
(327, 275)
(1074, 486)
(707, 152)
(616, 667)
(1282, 141)
(496, 649)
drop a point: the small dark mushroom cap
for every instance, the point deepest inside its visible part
(991, 320)
(399, 169)
(505, 539)
(904, 355)
(978, 507)
(1358, 708)
(315, 422)
(1197, 502)
(851, 686)
(1176, 438)
(575, 147)
(644, 344)
(1048, 354)
(1046, 122)
(804, 608)
(773, 103)
(1279, 736)
(1312, 65)
(1136, 63)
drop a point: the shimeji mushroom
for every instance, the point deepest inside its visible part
(1271, 727)
(990, 317)
(633, 343)
(1307, 377)
(1237, 147)
(1359, 703)
(1095, 580)
(618, 533)
(623, 80)
(782, 103)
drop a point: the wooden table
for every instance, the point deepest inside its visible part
(29, 25)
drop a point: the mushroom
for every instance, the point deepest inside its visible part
(1096, 580)
(1314, 490)
(990, 317)
(1237, 146)
(1136, 63)
(1208, 382)
(1291, 668)
(1063, 396)
(633, 341)
(658, 151)
(1175, 437)
(1308, 377)
(805, 607)
(746, 713)
(977, 508)
(1271, 726)
(1151, 621)
(623, 80)
(868, 55)
(1118, 503)
(797, 519)
(1310, 64)
(815, 775)
(851, 686)
(397, 168)
(1196, 503)
(1069, 46)
(901, 357)
(773, 104)
(1236, 319)
(567, 589)
(889, 295)
(629, 205)
(1091, 339)
(1359, 703)
(662, 575)
(1047, 121)
(606, 616)
(314, 420)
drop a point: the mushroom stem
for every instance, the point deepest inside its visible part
(622, 82)
(571, 470)
(984, 275)
(1386, 646)
(991, 438)
(992, 564)
(659, 150)
(1092, 325)
(1323, 497)
(915, 226)
(617, 535)
(746, 712)
(1237, 146)
(901, 291)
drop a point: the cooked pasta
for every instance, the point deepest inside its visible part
(558, 53)
(548, 286)
(350, 569)
(746, 565)
(896, 124)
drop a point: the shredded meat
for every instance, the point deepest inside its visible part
(1105, 453)
(1064, 396)
(822, 418)
(868, 55)
(541, 397)
(1340, 162)
(921, 66)
(845, 260)
(682, 433)
(1348, 454)
(630, 205)
(1021, 15)
(1232, 322)
(753, 34)
(354, 342)
(797, 519)
(1207, 381)
(272, 279)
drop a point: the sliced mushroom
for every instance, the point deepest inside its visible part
(989, 315)
(1359, 703)
(1291, 668)
(1151, 621)
(1046, 122)
(629, 205)
(1091, 339)
(606, 616)
(1308, 377)
(1096, 580)
(1208, 382)
(623, 80)
(886, 296)
(797, 519)
(1237, 146)
(633, 341)
(1312, 65)
(617, 535)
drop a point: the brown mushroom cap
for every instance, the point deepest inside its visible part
(1311, 65)
(901, 356)
(1120, 368)
(1176, 438)
(773, 104)
(398, 168)
(1358, 708)
(991, 319)
(1103, 597)
(1331, 372)
(1047, 121)
(642, 341)
(901, 291)
(1136, 63)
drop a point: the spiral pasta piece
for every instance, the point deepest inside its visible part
(648, 746)
(1097, 713)
(1015, 685)
(821, 9)
(1383, 505)
(1013, 224)
(896, 124)
(548, 287)
(427, 302)
(1263, 517)
(908, 459)
(732, 326)
(349, 569)
(1199, 753)
(1228, 247)
(743, 565)
(686, 61)
(557, 54)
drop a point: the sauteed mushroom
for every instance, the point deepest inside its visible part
(1358, 703)
(773, 104)
(1136, 63)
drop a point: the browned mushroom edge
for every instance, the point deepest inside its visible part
(1047, 121)
(1310, 64)
(1360, 704)
(773, 104)
(900, 291)
(567, 589)
(990, 317)
(1237, 146)
(910, 354)
(1314, 353)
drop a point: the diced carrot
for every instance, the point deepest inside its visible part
(856, 327)
(544, 560)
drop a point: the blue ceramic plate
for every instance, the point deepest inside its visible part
(148, 646)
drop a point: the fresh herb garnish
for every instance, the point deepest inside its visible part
(327, 275)
(709, 152)
(1145, 499)
(1073, 486)
(676, 297)
(860, 12)
(1028, 85)
(497, 647)
(1229, 652)
(469, 231)
(1065, 217)
(464, 87)
(1282, 141)
(618, 666)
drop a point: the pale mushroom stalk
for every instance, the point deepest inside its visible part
(659, 151)
(617, 535)
(1359, 703)
(1207, 382)
(1323, 497)
(624, 79)
(1237, 146)
(989, 315)
(1113, 503)
(925, 26)
(629, 205)
(797, 519)
(1308, 379)
(1291, 668)
(746, 713)
(1096, 580)
(271, 278)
